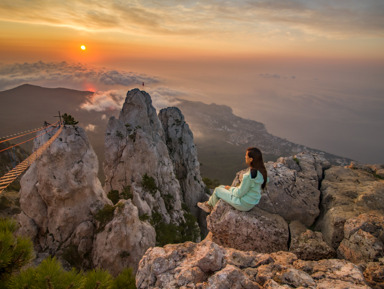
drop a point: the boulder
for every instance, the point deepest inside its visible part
(307, 244)
(255, 230)
(293, 190)
(363, 239)
(208, 265)
(374, 274)
(347, 193)
(123, 241)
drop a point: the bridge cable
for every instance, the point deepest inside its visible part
(9, 177)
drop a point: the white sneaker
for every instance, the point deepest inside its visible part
(205, 207)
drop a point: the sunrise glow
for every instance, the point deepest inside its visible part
(83, 47)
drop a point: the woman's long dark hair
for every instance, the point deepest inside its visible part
(258, 163)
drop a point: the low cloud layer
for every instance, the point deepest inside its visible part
(79, 76)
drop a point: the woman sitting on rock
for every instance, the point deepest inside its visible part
(248, 194)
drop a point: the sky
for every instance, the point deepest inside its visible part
(311, 71)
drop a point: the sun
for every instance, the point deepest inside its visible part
(83, 47)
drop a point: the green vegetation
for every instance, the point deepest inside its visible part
(172, 233)
(72, 256)
(125, 280)
(126, 194)
(104, 216)
(15, 252)
(18, 252)
(144, 217)
(50, 274)
(69, 119)
(211, 184)
(115, 195)
(168, 201)
(119, 134)
(148, 183)
(297, 161)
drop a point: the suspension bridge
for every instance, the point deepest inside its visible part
(14, 173)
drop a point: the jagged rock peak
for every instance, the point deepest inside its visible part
(137, 159)
(60, 193)
(183, 153)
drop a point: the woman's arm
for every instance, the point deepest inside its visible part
(243, 189)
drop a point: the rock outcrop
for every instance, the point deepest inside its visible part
(64, 209)
(137, 157)
(60, 193)
(255, 230)
(293, 191)
(363, 239)
(208, 265)
(307, 244)
(347, 193)
(123, 241)
(183, 153)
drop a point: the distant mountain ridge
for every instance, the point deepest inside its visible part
(220, 136)
(223, 137)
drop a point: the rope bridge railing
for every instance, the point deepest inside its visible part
(9, 177)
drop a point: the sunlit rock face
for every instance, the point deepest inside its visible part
(61, 199)
(137, 159)
(123, 241)
(208, 265)
(60, 194)
(183, 153)
(255, 230)
(346, 194)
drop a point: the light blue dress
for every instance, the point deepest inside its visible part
(244, 197)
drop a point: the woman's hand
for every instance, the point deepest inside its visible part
(227, 187)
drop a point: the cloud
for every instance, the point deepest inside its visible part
(90, 127)
(105, 100)
(258, 17)
(76, 75)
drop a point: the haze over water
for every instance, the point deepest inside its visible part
(311, 71)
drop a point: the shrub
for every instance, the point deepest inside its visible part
(168, 201)
(104, 216)
(49, 274)
(172, 233)
(126, 194)
(144, 217)
(72, 256)
(69, 119)
(119, 134)
(15, 252)
(125, 280)
(148, 183)
(211, 184)
(97, 279)
(113, 195)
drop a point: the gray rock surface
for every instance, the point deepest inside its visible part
(363, 239)
(135, 148)
(307, 244)
(60, 193)
(293, 191)
(255, 230)
(347, 193)
(123, 241)
(183, 153)
(208, 265)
